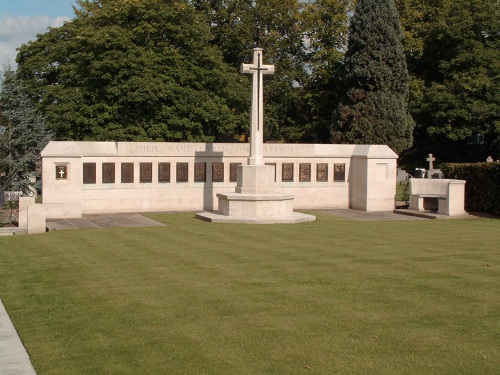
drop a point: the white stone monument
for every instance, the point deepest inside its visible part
(255, 200)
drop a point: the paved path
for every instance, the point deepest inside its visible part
(13, 357)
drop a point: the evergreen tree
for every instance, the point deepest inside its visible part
(23, 139)
(135, 70)
(375, 108)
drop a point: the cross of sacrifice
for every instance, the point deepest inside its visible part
(430, 159)
(257, 114)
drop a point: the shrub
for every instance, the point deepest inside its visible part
(482, 190)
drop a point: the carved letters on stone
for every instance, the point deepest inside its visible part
(127, 170)
(200, 172)
(146, 172)
(233, 172)
(217, 172)
(322, 172)
(287, 172)
(182, 172)
(305, 172)
(163, 172)
(108, 173)
(89, 173)
(339, 172)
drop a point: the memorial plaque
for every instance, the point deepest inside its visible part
(127, 173)
(217, 172)
(200, 172)
(89, 173)
(339, 172)
(233, 172)
(305, 172)
(146, 172)
(287, 172)
(322, 172)
(163, 172)
(61, 172)
(108, 173)
(274, 166)
(182, 172)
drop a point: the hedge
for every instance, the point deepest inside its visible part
(482, 190)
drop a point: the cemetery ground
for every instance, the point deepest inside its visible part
(334, 296)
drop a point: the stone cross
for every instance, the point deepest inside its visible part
(430, 159)
(61, 173)
(257, 69)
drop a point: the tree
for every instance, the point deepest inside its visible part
(24, 137)
(456, 101)
(238, 26)
(325, 28)
(375, 109)
(134, 70)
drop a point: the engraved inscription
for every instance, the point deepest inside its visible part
(287, 172)
(163, 172)
(61, 172)
(148, 148)
(339, 172)
(181, 170)
(305, 172)
(89, 173)
(108, 173)
(200, 172)
(274, 166)
(146, 172)
(233, 172)
(217, 172)
(322, 172)
(127, 170)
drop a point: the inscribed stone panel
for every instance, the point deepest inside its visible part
(305, 172)
(108, 173)
(217, 172)
(339, 172)
(127, 173)
(61, 172)
(274, 166)
(287, 172)
(200, 172)
(89, 173)
(146, 172)
(233, 172)
(182, 172)
(163, 172)
(322, 172)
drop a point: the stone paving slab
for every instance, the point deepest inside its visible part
(369, 216)
(129, 220)
(14, 359)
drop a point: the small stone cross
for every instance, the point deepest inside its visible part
(430, 159)
(257, 69)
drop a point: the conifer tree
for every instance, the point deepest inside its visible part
(23, 138)
(375, 107)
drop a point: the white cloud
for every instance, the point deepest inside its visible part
(14, 31)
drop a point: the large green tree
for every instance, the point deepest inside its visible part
(375, 109)
(452, 49)
(238, 26)
(140, 70)
(23, 137)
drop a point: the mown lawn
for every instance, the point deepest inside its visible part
(333, 296)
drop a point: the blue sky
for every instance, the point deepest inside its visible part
(22, 20)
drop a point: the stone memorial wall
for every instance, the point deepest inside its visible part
(103, 177)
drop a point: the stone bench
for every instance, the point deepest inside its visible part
(445, 196)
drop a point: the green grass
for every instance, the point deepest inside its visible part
(333, 296)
